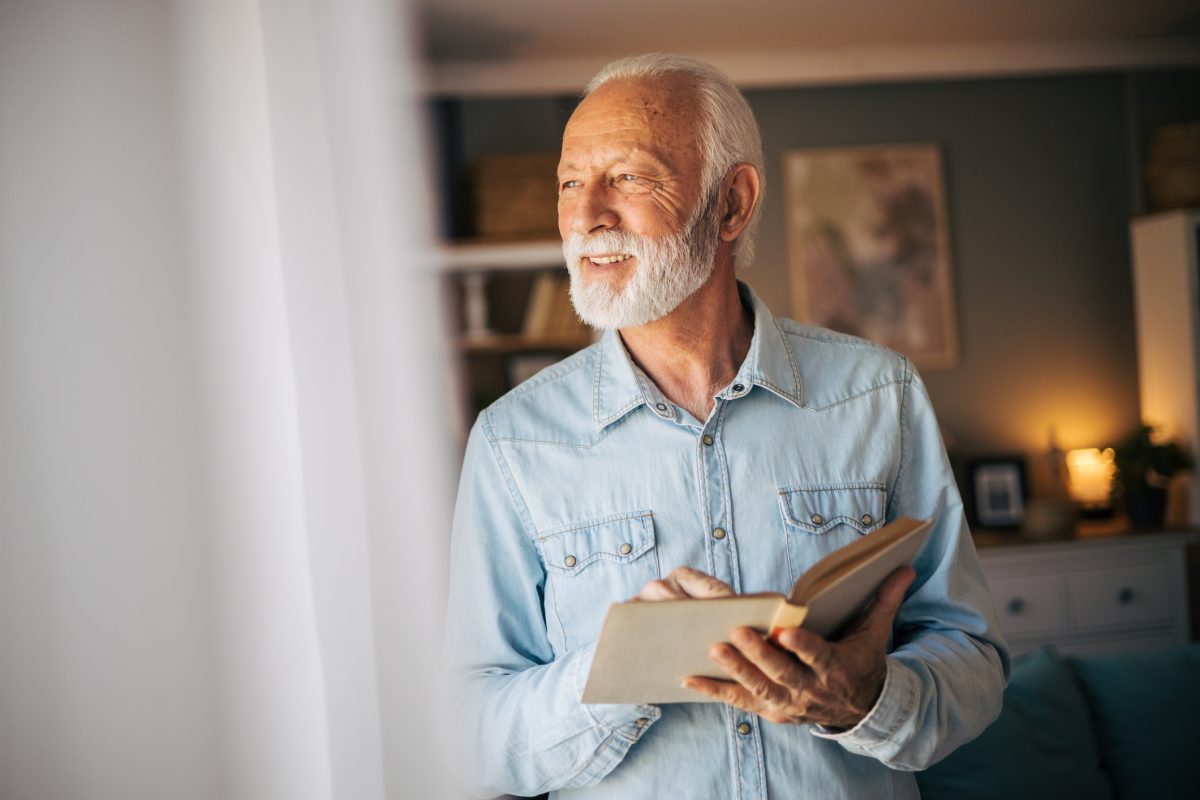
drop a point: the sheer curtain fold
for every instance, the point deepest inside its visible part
(312, 479)
(343, 385)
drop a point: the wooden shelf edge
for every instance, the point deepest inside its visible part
(498, 256)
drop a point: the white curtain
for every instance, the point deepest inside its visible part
(225, 444)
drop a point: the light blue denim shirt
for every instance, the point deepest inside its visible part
(585, 482)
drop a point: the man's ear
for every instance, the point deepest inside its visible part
(740, 190)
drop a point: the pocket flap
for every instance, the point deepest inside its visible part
(620, 538)
(816, 509)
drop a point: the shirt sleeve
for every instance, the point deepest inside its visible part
(516, 723)
(949, 664)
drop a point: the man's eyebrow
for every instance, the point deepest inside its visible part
(637, 160)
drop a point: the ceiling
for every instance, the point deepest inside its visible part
(487, 43)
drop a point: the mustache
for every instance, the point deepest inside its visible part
(577, 245)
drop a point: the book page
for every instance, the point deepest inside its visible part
(840, 562)
(841, 594)
(646, 649)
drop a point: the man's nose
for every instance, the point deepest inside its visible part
(594, 212)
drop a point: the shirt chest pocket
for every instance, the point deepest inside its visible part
(592, 564)
(819, 519)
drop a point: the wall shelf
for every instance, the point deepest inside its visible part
(485, 256)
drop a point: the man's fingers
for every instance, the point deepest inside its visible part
(812, 650)
(659, 590)
(745, 672)
(684, 582)
(725, 691)
(773, 662)
(699, 584)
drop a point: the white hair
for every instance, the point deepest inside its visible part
(727, 129)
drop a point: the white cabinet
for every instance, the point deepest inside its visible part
(1089, 596)
(1166, 283)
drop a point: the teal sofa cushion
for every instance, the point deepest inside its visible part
(1146, 708)
(1042, 747)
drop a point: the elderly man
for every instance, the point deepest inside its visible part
(702, 447)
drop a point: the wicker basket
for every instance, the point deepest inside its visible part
(1173, 167)
(516, 196)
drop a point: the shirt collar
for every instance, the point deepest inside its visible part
(619, 386)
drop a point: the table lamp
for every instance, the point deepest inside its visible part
(1089, 479)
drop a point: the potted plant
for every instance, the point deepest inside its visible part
(1143, 470)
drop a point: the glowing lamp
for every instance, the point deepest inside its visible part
(1089, 476)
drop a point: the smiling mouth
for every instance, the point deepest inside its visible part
(609, 259)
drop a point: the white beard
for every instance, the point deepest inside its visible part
(669, 270)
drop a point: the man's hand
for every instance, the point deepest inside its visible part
(809, 679)
(684, 582)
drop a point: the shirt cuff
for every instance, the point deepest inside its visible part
(891, 711)
(628, 720)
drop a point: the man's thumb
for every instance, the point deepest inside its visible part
(889, 597)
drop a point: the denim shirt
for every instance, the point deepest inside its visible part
(585, 482)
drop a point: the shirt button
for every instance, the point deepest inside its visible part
(817, 519)
(708, 440)
(744, 729)
(867, 519)
(719, 533)
(626, 548)
(642, 722)
(738, 388)
(661, 406)
(569, 561)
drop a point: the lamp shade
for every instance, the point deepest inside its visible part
(1090, 476)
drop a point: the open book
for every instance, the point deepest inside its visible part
(646, 649)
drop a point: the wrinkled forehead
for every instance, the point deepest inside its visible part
(656, 117)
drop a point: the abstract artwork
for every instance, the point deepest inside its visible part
(869, 247)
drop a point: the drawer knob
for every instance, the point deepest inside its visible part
(1016, 605)
(1125, 596)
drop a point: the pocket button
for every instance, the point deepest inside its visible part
(626, 548)
(817, 519)
(569, 561)
(867, 519)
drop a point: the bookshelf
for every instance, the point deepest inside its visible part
(511, 314)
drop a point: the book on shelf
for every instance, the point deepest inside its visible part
(647, 648)
(567, 325)
(539, 309)
(549, 312)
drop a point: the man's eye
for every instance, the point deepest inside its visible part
(568, 185)
(635, 184)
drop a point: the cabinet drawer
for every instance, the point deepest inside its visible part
(1121, 595)
(1029, 603)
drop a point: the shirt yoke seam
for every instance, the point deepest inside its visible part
(608, 431)
(853, 397)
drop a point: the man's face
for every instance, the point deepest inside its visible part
(636, 236)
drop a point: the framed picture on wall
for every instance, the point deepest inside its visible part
(998, 493)
(869, 247)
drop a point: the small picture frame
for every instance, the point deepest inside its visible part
(998, 492)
